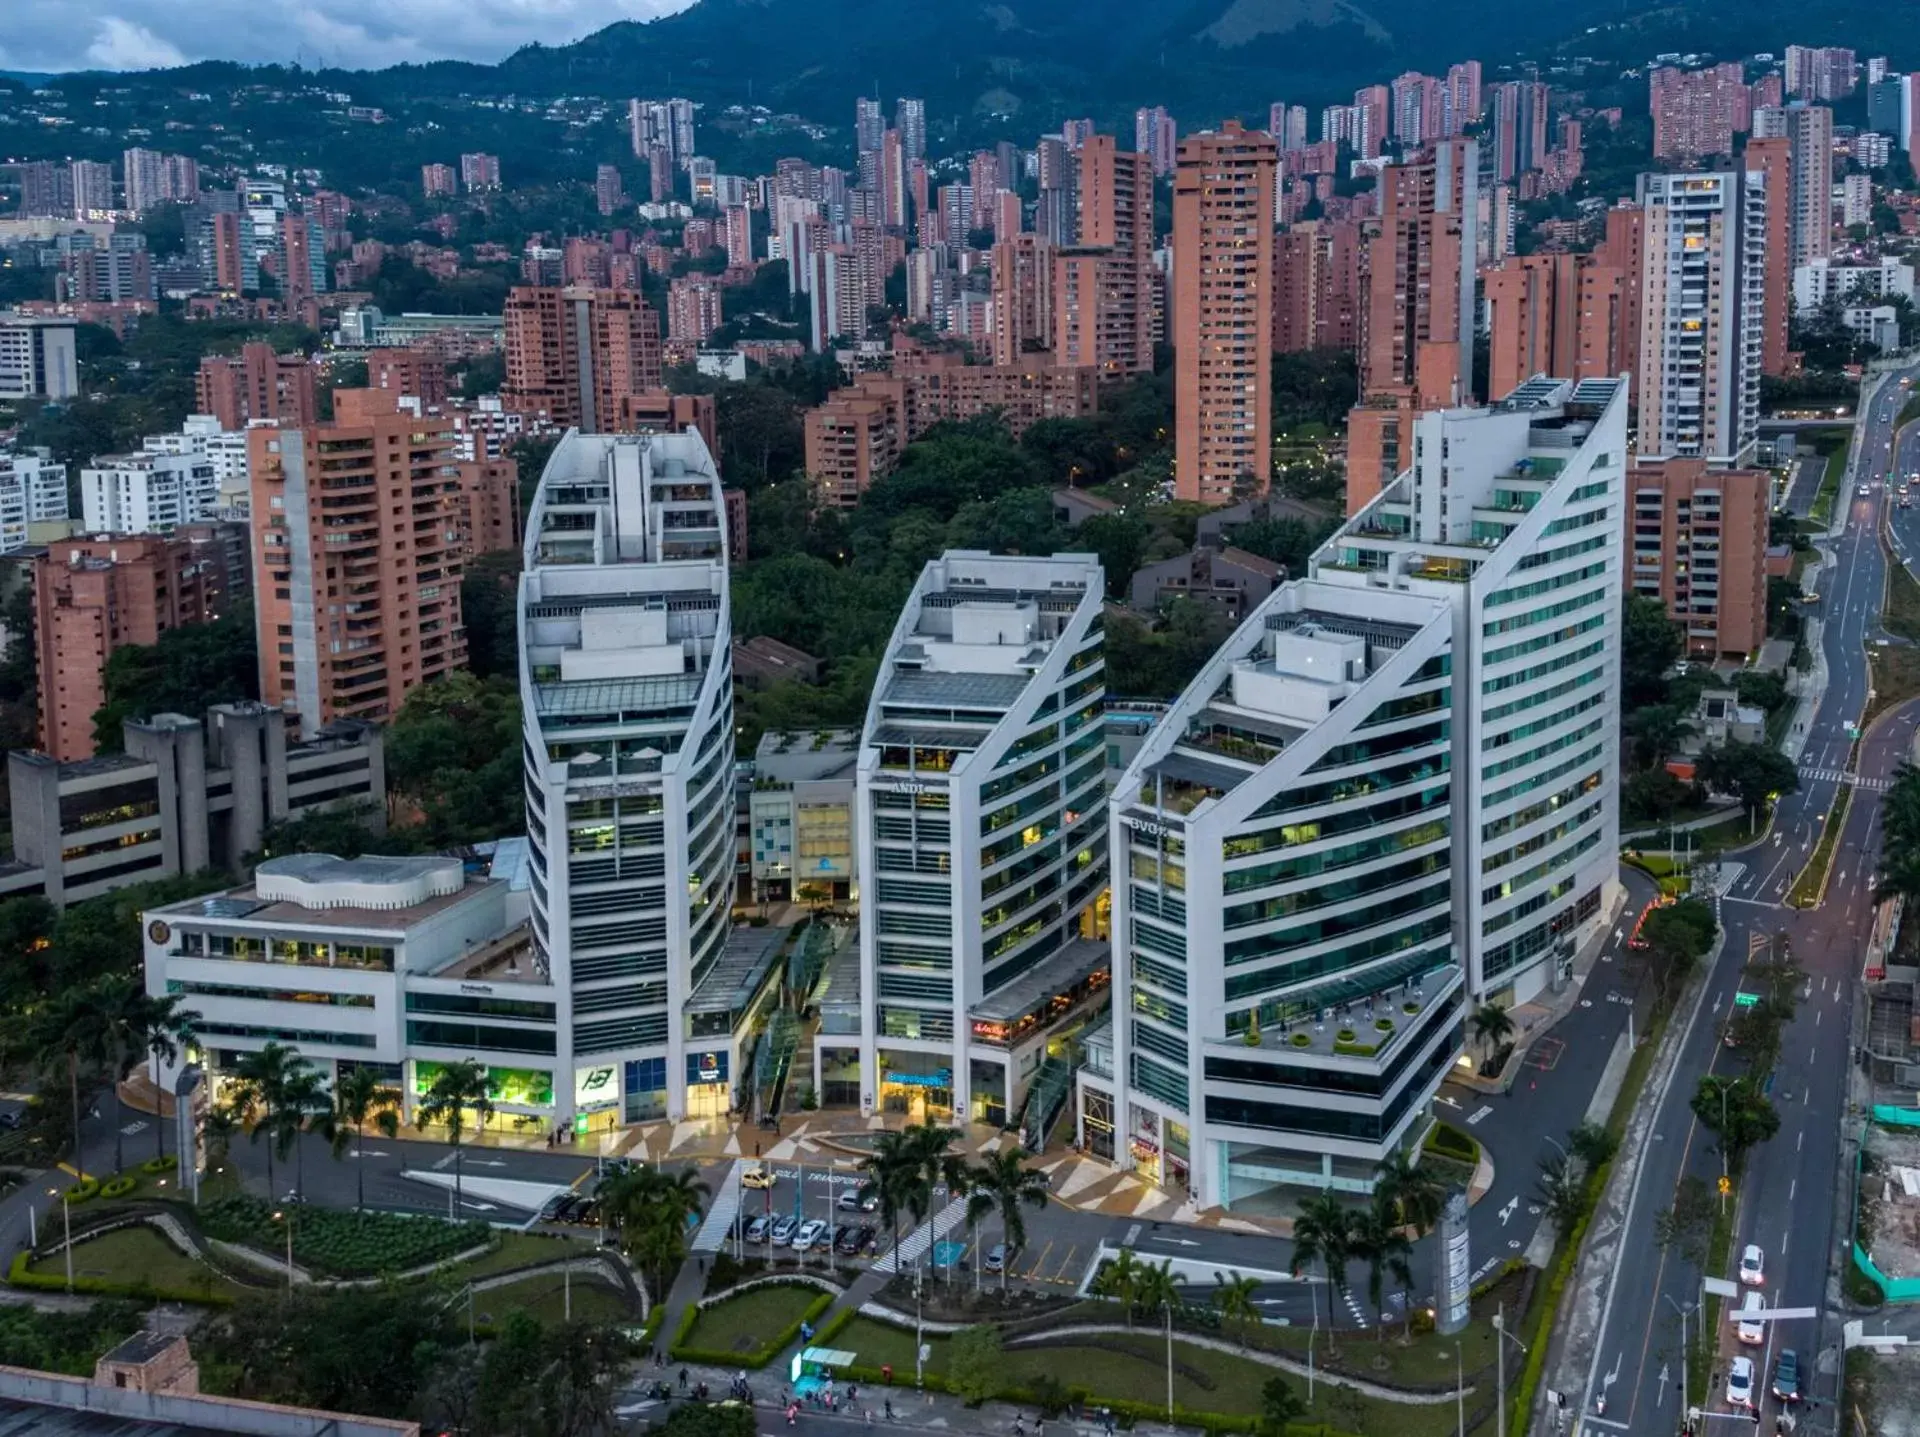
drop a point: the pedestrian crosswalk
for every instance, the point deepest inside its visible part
(1835, 775)
(915, 1243)
(721, 1212)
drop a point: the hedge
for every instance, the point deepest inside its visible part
(833, 1325)
(18, 1276)
(681, 1352)
(120, 1186)
(83, 1190)
(160, 1165)
(1212, 1422)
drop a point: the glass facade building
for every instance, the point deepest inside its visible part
(1390, 794)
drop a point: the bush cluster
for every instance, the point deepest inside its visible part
(343, 1243)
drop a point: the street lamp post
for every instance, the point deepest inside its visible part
(1500, 1366)
(66, 1216)
(1683, 1347)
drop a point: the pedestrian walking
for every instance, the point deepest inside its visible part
(869, 1416)
(1019, 1427)
(889, 1407)
(793, 1411)
(683, 1379)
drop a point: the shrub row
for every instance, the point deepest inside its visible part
(18, 1276)
(680, 1351)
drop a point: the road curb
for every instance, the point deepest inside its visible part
(1578, 1358)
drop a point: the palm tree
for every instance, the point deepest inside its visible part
(304, 1105)
(980, 1202)
(1119, 1279)
(455, 1089)
(263, 1079)
(1382, 1244)
(359, 1098)
(1415, 1194)
(129, 1022)
(1323, 1233)
(1160, 1292)
(1233, 1295)
(1492, 1025)
(890, 1172)
(1008, 1183)
(70, 1029)
(653, 1209)
(169, 1028)
(935, 1164)
(221, 1124)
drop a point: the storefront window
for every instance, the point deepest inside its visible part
(709, 1089)
(646, 1089)
(1143, 1144)
(1096, 1118)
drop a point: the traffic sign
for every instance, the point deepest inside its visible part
(1726, 1185)
(1745, 1000)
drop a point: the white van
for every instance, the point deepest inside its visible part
(1747, 1330)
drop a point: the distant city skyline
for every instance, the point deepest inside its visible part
(56, 36)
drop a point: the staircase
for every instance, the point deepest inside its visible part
(1046, 1100)
(773, 1058)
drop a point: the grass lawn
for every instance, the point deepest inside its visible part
(520, 1249)
(752, 1320)
(1806, 888)
(137, 1255)
(1894, 674)
(1132, 1368)
(545, 1297)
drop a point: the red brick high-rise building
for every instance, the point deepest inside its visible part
(1775, 158)
(1696, 113)
(573, 352)
(1415, 336)
(1558, 314)
(92, 596)
(1223, 313)
(228, 268)
(1697, 541)
(1102, 295)
(693, 308)
(360, 530)
(1022, 297)
(439, 182)
(420, 373)
(1316, 286)
(255, 384)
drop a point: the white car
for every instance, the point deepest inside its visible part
(1740, 1383)
(1753, 1265)
(1749, 1329)
(812, 1232)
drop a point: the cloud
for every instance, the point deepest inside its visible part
(122, 45)
(58, 35)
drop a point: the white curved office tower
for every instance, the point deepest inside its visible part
(1391, 793)
(982, 838)
(627, 690)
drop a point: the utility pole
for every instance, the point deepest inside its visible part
(1500, 1367)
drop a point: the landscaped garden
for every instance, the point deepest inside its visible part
(1131, 1368)
(751, 1328)
(342, 1243)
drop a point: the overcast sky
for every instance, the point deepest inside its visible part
(60, 35)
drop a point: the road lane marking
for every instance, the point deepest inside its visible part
(1479, 1113)
(1800, 1141)
(1793, 1187)
(1783, 1241)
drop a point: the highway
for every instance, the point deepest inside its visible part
(1787, 1202)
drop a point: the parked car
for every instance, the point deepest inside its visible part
(757, 1229)
(869, 1237)
(1786, 1376)
(1749, 1329)
(589, 1212)
(569, 1207)
(1740, 1382)
(757, 1176)
(1753, 1266)
(996, 1258)
(847, 1241)
(851, 1201)
(783, 1230)
(813, 1232)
